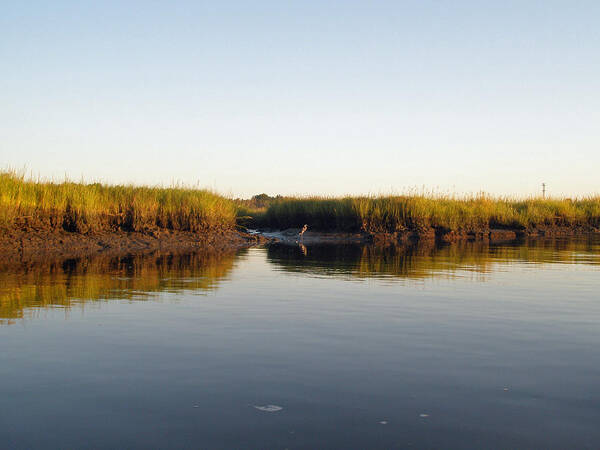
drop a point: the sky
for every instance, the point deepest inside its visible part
(305, 97)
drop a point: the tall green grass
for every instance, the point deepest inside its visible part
(84, 207)
(419, 212)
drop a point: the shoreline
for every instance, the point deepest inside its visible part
(290, 235)
(20, 246)
(29, 245)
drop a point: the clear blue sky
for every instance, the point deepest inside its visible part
(305, 96)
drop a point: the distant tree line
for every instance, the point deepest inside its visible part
(259, 201)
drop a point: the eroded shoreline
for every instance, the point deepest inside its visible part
(20, 245)
(17, 246)
(291, 235)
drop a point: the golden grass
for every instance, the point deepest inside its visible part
(82, 207)
(415, 212)
(91, 207)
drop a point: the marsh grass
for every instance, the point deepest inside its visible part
(416, 212)
(84, 207)
(81, 207)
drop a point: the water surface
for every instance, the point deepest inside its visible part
(458, 346)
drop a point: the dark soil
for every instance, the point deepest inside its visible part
(17, 246)
(30, 244)
(428, 234)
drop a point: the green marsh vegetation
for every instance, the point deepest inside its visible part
(82, 207)
(251, 210)
(418, 212)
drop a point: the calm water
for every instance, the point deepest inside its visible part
(463, 346)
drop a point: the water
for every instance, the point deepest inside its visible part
(461, 346)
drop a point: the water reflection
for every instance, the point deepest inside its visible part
(509, 363)
(428, 259)
(26, 288)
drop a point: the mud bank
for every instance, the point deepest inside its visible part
(290, 235)
(31, 245)
(17, 246)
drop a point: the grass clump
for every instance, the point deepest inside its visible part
(81, 207)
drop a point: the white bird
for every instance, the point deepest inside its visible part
(304, 228)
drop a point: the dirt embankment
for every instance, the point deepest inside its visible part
(18, 245)
(37, 244)
(430, 234)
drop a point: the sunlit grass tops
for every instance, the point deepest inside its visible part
(85, 207)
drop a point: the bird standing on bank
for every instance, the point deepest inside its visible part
(304, 228)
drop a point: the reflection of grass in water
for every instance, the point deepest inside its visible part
(428, 260)
(75, 282)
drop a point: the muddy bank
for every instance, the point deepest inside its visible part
(291, 235)
(20, 245)
(16, 246)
